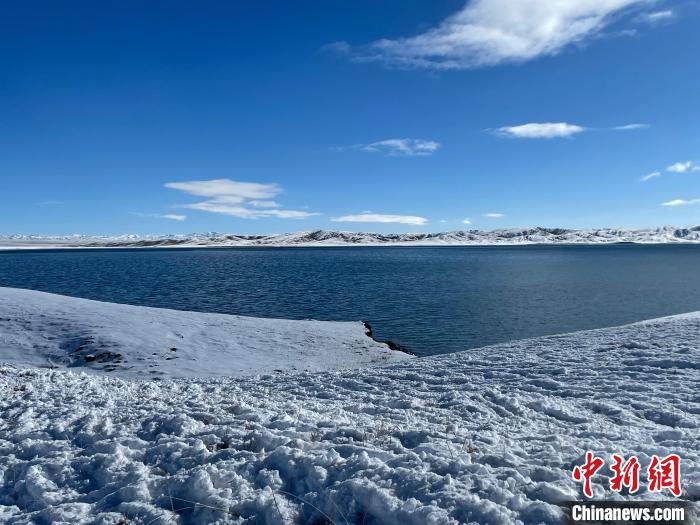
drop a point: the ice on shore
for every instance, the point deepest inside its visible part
(486, 436)
(48, 330)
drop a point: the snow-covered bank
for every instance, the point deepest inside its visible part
(487, 436)
(505, 237)
(46, 330)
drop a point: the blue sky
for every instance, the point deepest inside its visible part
(251, 117)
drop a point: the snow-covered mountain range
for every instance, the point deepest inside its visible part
(514, 236)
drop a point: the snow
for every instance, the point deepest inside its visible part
(507, 237)
(47, 330)
(487, 436)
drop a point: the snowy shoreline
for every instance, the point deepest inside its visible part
(48, 330)
(488, 435)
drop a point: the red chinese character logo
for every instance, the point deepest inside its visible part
(626, 474)
(665, 474)
(586, 471)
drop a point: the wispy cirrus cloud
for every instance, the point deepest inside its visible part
(402, 147)
(680, 202)
(631, 127)
(264, 204)
(49, 203)
(227, 190)
(494, 215)
(246, 200)
(655, 17)
(550, 130)
(491, 32)
(539, 130)
(677, 167)
(169, 216)
(466, 221)
(382, 218)
(683, 167)
(650, 176)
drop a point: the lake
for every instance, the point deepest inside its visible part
(430, 299)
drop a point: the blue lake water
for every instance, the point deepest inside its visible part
(432, 300)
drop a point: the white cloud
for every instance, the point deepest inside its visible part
(247, 213)
(656, 16)
(377, 217)
(494, 215)
(683, 167)
(652, 175)
(680, 202)
(490, 32)
(265, 204)
(540, 130)
(169, 216)
(629, 127)
(402, 147)
(237, 199)
(466, 221)
(227, 189)
(172, 216)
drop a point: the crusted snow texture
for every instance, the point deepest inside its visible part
(48, 330)
(488, 436)
(509, 236)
